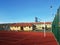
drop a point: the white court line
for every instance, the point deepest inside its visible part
(55, 39)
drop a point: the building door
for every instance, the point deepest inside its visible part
(21, 28)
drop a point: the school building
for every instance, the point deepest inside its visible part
(26, 26)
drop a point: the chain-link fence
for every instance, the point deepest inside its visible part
(56, 25)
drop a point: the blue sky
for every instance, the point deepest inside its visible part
(26, 10)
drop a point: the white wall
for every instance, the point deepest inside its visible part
(27, 28)
(39, 26)
(15, 28)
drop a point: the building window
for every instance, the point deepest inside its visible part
(42, 27)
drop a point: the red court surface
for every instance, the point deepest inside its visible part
(26, 38)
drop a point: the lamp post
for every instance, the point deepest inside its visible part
(44, 30)
(51, 17)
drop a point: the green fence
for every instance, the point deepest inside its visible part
(56, 26)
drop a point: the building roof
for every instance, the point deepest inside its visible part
(21, 24)
(28, 24)
(48, 22)
(42, 23)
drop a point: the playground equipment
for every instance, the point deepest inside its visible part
(56, 25)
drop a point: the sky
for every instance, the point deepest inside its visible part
(12, 11)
